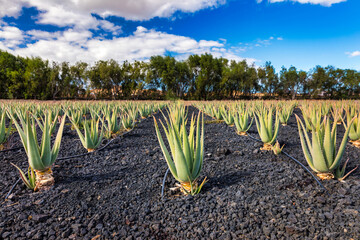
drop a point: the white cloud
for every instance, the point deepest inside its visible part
(353, 54)
(78, 45)
(110, 27)
(11, 8)
(144, 9)
(11, 36)
(42, 35)
(326, 3)
(78, 42)
(78, 12)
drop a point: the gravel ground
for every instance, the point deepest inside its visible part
(116, 193)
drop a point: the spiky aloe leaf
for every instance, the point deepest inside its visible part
(317, 154)
(57, 142)
(199, 152)
(30, 183)
(276, 130)
(166, 153)
(341, 150)
(305, 144)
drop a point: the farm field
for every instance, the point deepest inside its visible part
(113, 190)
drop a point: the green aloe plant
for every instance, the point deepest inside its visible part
(30, 179)
(4, 132)
(277, 149)
(92, 136)
(128, 122)
(284, 113)
(320, 152)
(312, 117)
(354, 133)
(145, 110)
(242, 122)
(217, 113)
(228, 117)
(186, 159)
(51, 118)
(266, 129)
(42, 157)
(76, 116)
(340, 172)
(113, 126)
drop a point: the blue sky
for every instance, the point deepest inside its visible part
(302, 33)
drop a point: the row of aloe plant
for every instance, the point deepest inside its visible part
(320, 152)
(89, 121)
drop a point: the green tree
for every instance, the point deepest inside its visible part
(37, 78)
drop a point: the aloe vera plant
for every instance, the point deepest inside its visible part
(217, 113)
(178, 113)
(145, 111)
(320, 152)
(76, 117)
(42, 157)
(228, 117)
(51, 118)
(354, 133)
(113, 125)
(242, 122)
(277, 149)
(4, 132)
(92, 136)
(187, 153)
(284, 113)
(30, 179)
(340, 172)
(312, 117)
(128, 121)
(264, 123)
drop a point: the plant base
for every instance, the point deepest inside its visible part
(266, 147)
(44, 179)
(325, 176)
(242, 133)
(356, 143)
(284, 124)
(185, 187)
(90, 150)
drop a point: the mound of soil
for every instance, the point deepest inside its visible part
(116, 193)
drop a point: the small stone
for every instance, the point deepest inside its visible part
(155, 227)
(75, 227)
(6, 234)
(328, 215)
(292, 218)
(320, 199)
(39, 202)
(290, 230)
(349, 211)
(51, 232)
(66, 233)
(266, 231)
(256, 151)
(39, 217)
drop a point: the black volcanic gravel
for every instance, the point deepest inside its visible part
(115, 193)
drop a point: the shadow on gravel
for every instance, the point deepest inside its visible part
(227, 180)
(91, 177)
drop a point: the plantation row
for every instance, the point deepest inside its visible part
(37, 124)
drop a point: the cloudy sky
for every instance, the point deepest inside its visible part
(302, 33)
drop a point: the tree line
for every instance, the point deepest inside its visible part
(199, 77)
